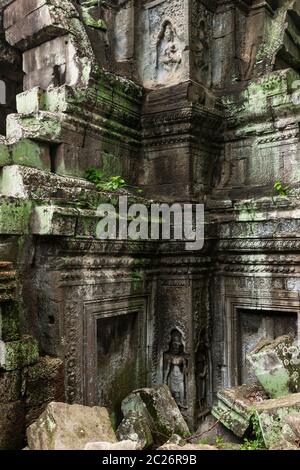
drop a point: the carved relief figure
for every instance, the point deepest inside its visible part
(176, 368)
(169, 52)
(201, 53)
(202, 371)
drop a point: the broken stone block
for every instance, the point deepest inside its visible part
(36, 99)
(233, 408)
(272, 415)
(42, 383)
(54, 128)
(18, 354)
(30, 23)
(160, 409)
(276, 364)
(291, 429)
(123, 445)
(29, 183)
(52, 63)
(12, 425)
(70, 427)
(136, 427)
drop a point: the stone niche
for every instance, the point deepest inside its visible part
(254, 325)
(115, 351)
(168, 50)
(249, 319)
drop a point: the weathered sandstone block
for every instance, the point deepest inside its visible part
(18, 354)
(69, 427)
(159, 409)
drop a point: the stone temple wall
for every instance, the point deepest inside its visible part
(193, 100)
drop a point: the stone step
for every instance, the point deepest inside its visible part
(7, 282)
(23, 182)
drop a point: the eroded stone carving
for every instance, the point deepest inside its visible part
(176, 368)
(169, 53)
(202, 371)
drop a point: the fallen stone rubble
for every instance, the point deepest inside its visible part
(152, 419)
(265, 413)
(268, 411)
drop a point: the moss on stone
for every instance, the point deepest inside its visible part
(10, 321)
(18, 354)
(14, 216)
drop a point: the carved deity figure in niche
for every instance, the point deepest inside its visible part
(202, 371)
(176, 369)
(201, 51)
(169, 52)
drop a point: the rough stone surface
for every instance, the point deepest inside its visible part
(187, 447)
(291, 429)
(137, 428)
(276, 365)
(160, 410)
(42, 383)
(284, 445)
(194, 101)
(122, 445)
(10, 386)
(69, 427)
(12, 425)
(272, 415)
(18, 354)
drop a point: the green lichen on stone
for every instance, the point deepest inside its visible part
(15, 216)
(26, 152)
(18, 354)
(45, 126)
(9, 321)
(90, 21)
(270, 417)
(276, 366)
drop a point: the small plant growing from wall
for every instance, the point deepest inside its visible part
(281, 189)
(108, 183)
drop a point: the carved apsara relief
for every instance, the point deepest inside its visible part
(176, 369)
(169, 52)
(203, 370)
(166, 28)
(201, 42)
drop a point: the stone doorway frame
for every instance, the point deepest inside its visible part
(108, 308)
(288, 303)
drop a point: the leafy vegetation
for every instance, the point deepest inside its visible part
(250, 445)
(219, 442)
(105, 183)
(257, 440)
(281, 189)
